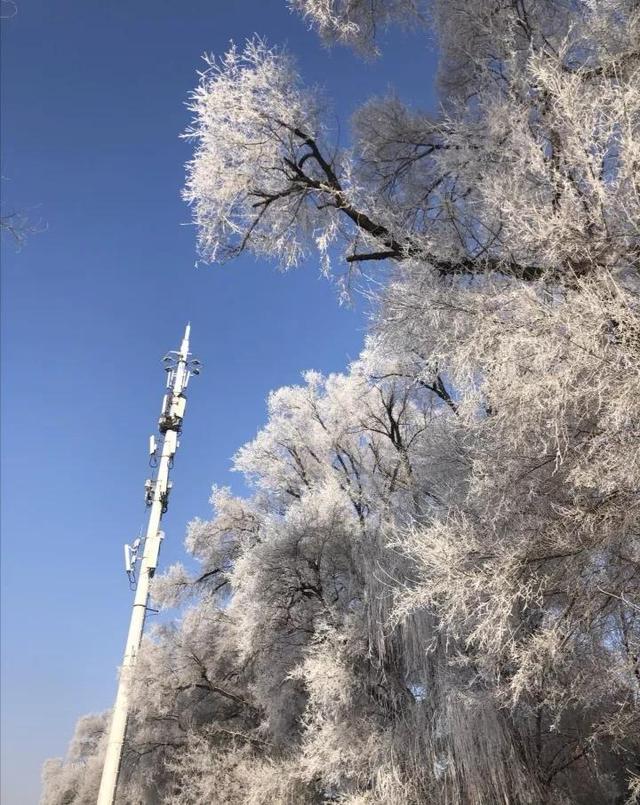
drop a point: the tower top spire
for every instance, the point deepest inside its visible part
(184, 348)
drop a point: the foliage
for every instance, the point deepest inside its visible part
(432, 594)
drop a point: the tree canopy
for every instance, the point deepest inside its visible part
(432, 594)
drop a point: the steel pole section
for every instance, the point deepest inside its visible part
(170, 423)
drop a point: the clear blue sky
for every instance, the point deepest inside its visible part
(93, 102)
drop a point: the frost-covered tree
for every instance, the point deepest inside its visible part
(433, 593)
(75, 780)
(357, 22)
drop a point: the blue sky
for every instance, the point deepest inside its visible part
(93, 103)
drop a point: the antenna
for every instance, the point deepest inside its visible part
(179, 366)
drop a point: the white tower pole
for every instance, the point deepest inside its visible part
(180, 367)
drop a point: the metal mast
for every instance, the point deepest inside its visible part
(179, 367)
